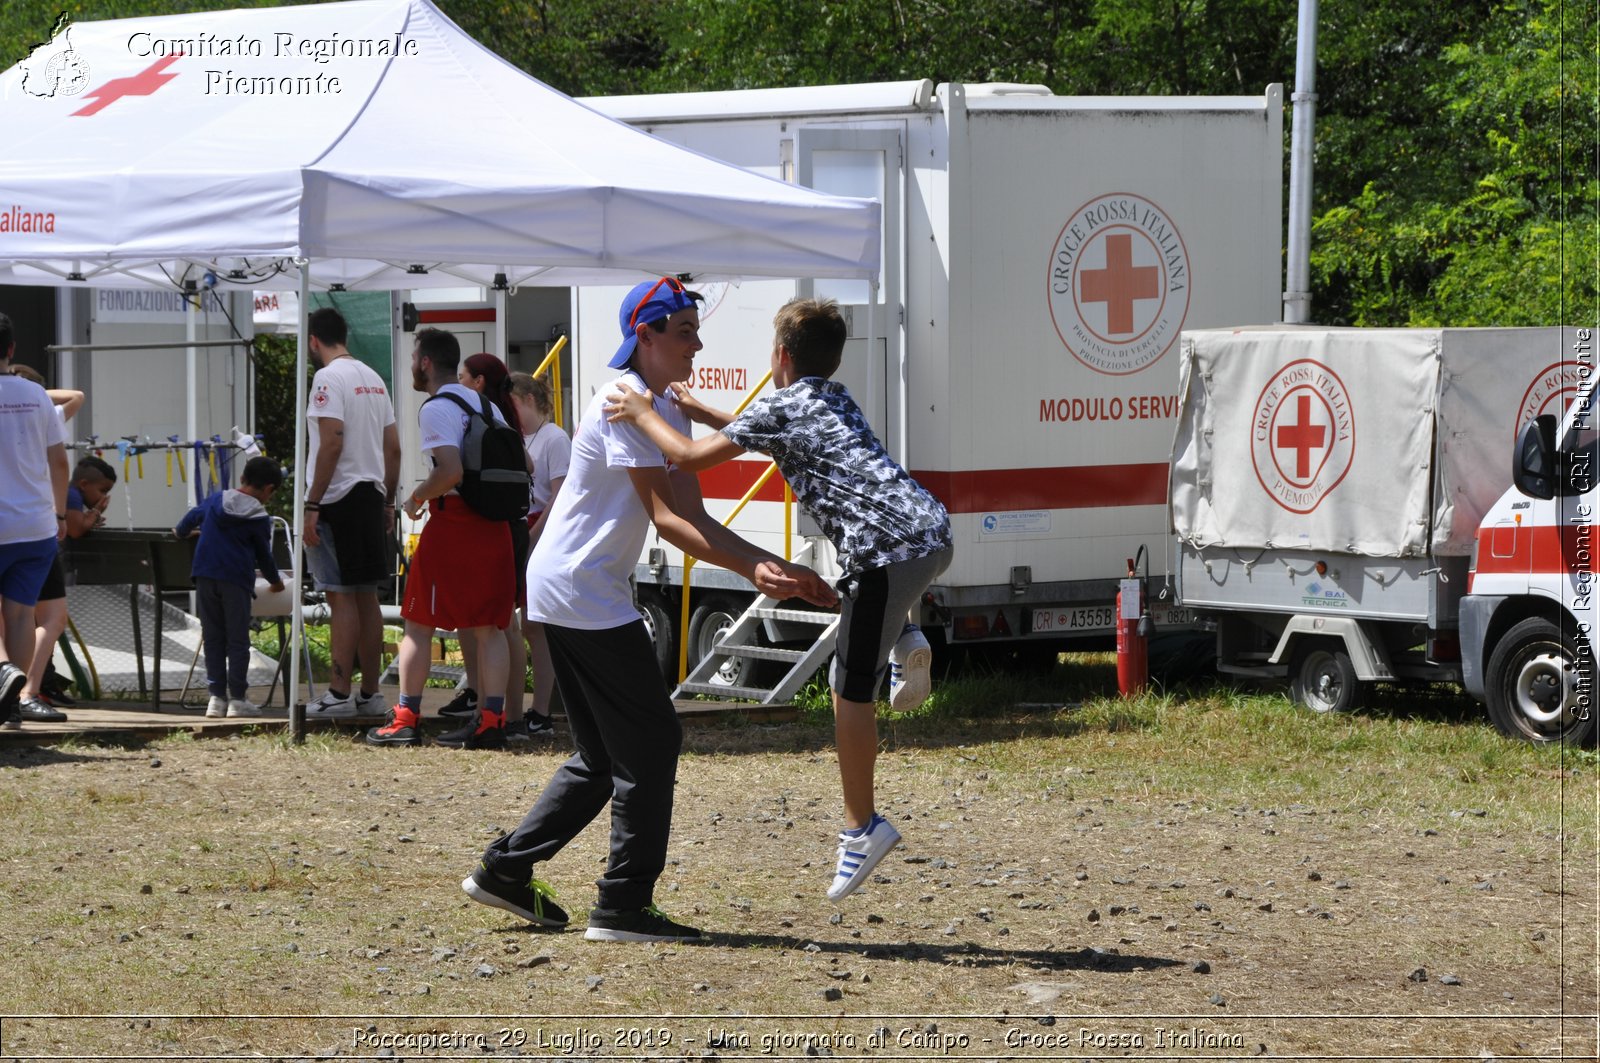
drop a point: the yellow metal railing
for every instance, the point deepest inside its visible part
(552, 362)
(788, 534)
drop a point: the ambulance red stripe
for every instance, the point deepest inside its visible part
(1513, 550)
(987, 490)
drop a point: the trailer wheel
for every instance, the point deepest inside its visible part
(658, 622)
(1537, 688)
(1323, 678)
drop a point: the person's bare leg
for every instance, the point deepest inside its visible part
(344, 639)
(855, 731)
(369, 640)
(468, 641)
(16, 632)
(415, 660)
(49, 621)
(516, 670)
(544, 676)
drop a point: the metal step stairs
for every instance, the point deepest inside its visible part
(741, 641)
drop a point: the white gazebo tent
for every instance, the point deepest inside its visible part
(369, 144)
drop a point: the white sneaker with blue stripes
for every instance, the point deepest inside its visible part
(859, 854)
(910, 670)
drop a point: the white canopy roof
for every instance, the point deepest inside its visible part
(375, 138)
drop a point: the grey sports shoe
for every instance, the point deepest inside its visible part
(640, 924)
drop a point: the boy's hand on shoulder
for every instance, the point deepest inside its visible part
(698, 412)
(626, 404)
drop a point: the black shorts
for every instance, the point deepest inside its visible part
(55, 584)
(521, 547)
(360, 540)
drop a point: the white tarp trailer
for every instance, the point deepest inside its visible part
(1041, 256)
(368, 144)
(1328, 486)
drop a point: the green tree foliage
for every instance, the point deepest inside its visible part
(1455, 142)
(1485, 212)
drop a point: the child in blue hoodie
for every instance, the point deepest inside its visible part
(235, 539)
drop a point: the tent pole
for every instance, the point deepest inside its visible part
(297, 628)
(191, 368)
(499, 295)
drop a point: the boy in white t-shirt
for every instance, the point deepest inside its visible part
(624, 726)
(33, 513)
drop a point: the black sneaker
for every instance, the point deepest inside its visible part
(55, 687)
(535, 901)
(465, 703)
(12, 680)
(539, 726)
(641, 924)
(36, 711)
(486, 731)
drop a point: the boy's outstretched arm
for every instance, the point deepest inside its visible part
(673, 502)
(690, 455)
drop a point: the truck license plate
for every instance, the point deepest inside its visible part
(1097, 618)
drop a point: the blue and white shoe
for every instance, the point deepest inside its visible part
(910, 670)
(859, 853)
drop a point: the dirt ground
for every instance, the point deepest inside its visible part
(1059, 895)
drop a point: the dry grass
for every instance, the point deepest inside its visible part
(1094, 880)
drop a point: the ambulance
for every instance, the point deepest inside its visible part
(1361, 506)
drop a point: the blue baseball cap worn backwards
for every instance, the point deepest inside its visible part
(648, 301)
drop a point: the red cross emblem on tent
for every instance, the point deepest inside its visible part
(1119, 283)
(1301, 440)
(143, 83)
(1302, 435)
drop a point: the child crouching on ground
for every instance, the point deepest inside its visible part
(235, 540)
(892, 536)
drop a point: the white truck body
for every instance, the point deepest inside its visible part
(1333, 492)
(1042, 256)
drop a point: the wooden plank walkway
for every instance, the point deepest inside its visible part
(121, 720)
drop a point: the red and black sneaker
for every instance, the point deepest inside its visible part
(487, 731)
(403, 729)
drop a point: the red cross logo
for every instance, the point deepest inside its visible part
(1303, 437)
(1120, 283)
(143, 83)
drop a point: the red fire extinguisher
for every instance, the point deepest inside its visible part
(1133, 642)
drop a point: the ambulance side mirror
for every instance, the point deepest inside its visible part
(1533, 467)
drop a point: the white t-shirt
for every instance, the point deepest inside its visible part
(444, 424)
(578, 574)
(28, 427)
(551, 453)
(349, 390)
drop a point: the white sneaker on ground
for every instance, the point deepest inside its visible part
(331, 706)
(369, 704)
(910, 670)
(241, 707)
(859, 854)
(216, 707)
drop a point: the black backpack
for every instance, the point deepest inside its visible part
(494, 467)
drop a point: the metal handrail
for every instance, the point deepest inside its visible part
(689, 561)
(552, 362)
